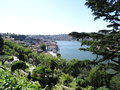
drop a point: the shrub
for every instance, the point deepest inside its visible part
(82, 82)
(66, 79)
(43, 74)
(18, 65)
(97, 77)
(10, 58)
(11, 82)
(115, 82)
(41, 70)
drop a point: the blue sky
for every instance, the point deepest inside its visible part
(47, 17)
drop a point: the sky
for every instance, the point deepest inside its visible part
(47, 17)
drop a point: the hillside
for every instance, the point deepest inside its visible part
(23, 69)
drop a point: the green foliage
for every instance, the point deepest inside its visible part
(97, 77)
(86, 42)
(66, 79)
(74, 34)
(10, 58)
(43, 47)
(62, 63)
(79, 35)
(45, 76)
(18, 65)
(108, 9)
(1, 44)
(4, 58)
(58, 54)
(105, 45)
(115, 82)
(104, 31)
(75, 67)
(103, 88)
(15, 48)
(43, 70)
(22, 57)
(82, 82)
(12, 48)
(11, 82)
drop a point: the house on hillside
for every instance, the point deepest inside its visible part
(52, 48)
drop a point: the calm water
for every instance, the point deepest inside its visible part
(70, 50)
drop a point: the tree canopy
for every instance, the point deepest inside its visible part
(109, 10)
(18, 65)
(1, 44)
(43, 47)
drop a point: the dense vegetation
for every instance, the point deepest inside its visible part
(55, 73)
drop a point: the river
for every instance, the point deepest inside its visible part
(70, 50)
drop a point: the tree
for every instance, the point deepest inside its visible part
(115, 82)
(82, 82)
(97, 77)
(18, 65)
(74, 67)
(65, 79)
(1, 44)
(103, 88)
(22, 57)
(43, 47)
(42, 71)
(79, 35)
(13, 82)
(104, 31)
(4, 58)
(106, 45)
(42, 74)
(109, 10)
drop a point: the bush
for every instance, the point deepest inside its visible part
(4, 58)
(11, 82)
(97, 77)
(10, 58)
(43, 70)
(82, 82)
(18, 65)
(66, 79)
(115, 82)
(43, 46)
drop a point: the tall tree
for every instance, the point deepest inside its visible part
(109, 10)
(106, 45)
(1, 44)
(43, 46)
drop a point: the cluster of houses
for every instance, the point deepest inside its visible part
(51, 47)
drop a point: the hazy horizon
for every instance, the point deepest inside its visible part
(31, 34)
